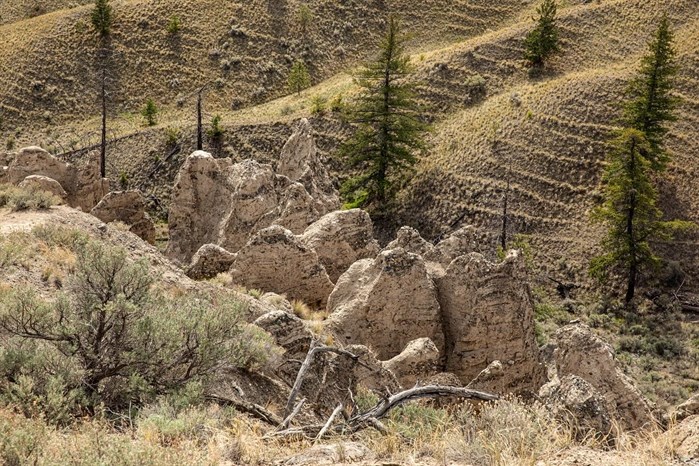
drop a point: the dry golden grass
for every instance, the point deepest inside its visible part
(506, 433)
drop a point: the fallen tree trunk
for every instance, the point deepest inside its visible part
(371, 417)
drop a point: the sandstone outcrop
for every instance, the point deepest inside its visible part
(416, 363)
(209, 261)
(83, 185)
(44, 183)
(276, 260)
(128, 207)
(340, 239)
(300, 162)
(217, 202)
(582, 353)
(687, 408)
(290, 333)
(488, 315)
(385, 303)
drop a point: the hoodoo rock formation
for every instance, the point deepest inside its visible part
(218, 202)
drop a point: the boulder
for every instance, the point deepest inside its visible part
(385, 303)
(416, 363)
(209, 261)
(276, 260)
(340, 239)
(582, 353)
(575, 401)
(488, 315)
(44, 183)
(687, 408)
(128, 207)
(83, 185)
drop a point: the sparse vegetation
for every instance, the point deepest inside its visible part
(216, 131)
(318, 105)
(389, 132)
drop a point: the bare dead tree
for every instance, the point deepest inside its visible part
(103, 142)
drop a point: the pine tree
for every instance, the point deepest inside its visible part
(299, 78)
(102, 17)
(630, 212)
(389, 131)
(150, 113)
(542, 41)
(651, 103)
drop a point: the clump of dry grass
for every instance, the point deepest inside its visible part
(18, 199)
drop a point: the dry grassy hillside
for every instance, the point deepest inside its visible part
(49, 63)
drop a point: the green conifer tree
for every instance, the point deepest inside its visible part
(102, 17)
(299, 78)
(651, 103)
(389, 132)
(542, 41)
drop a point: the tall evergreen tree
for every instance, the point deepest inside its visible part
(629, 211)
(389, 132)
(102, 17)
(542, 41)
(651, 103)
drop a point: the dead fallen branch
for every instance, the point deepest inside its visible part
(285, 423)
(371, 418)
(252, 409)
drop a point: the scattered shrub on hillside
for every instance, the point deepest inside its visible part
(112, 340)
(102, 17)
(18, 199)
(305, 17)
(172, 136)
(174, 24)
(150, 113)
(10, 143)
(215, 131)
(318, 105)
(337, 104)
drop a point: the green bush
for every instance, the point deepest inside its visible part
(112, 340)
(216, 131)
(318, 105)
(174, 24)
(18, 199)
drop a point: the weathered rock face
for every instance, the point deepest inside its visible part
(488, 315)
(44, 183)
(128, 207)
(291, 334)
(386, 303)
(341, 238)
(575, 400)
(83, 185)
(217, 202)
(685, 439)
(275, 260)
(209, 261)
(580, 352)
(417, 362)
(300, 162)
